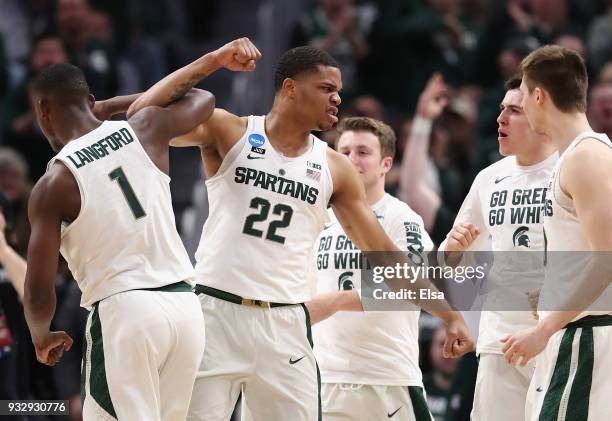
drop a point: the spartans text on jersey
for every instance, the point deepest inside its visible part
(276, 184)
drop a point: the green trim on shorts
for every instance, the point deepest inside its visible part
(578, 405)
(552, 399)
(98, 385)
(311, 342)
(419, 404)
(83, 368)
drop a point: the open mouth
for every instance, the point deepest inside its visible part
(501, 135)
(332, 113)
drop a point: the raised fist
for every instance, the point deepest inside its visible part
(240, 55)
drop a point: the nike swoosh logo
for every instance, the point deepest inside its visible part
(254, 157)
(327, 226)
(539, 389)
(390, 415)
(497, 180)
(292, 361)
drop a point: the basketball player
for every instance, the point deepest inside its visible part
(504, 212)
(369, 361)
(571, 380)
(105, 204)
(270, 182)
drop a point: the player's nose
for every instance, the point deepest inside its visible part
(335, 99)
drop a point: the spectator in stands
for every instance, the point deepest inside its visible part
(438, 381)
(413, 39)
(605, 74)
(86, 34)
(14, 342)
(336, 27)
(600, 108)
(426, 201)
(599, 44)
(18, 125)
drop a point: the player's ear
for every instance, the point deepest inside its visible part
(539, 95)
(387, 162)
(289, 87)
(91, 100)
(44, 108)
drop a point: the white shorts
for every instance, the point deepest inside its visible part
(266, 353)
(342, 402)
(141, 355)
(572, 375)
(501, 389)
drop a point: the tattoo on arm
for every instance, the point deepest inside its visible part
(182, 88)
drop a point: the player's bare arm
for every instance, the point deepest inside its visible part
(358, 221)
(421, 197)
(238, 55)
(217, 134)
(323, 306)
(54, 199)
(155, 126)
(105, 109)
(591, 192)
(11, 261)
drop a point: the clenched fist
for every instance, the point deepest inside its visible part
(240, 55)
(461, 237)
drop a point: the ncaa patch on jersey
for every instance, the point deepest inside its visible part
(257, 140)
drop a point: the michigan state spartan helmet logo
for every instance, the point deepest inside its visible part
(520, 237)
(344, 282)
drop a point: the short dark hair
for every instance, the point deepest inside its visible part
(300, 60)
(513, 83)
(384, 133)
(44, 36)
(63, 81)
(561, 72)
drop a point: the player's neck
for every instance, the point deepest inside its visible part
(71, 127)
(286, 132)
(565, 127)
(535, 157)
(375, 193)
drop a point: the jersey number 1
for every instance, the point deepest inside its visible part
(263, 206)
(128, 192)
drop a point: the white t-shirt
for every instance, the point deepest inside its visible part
(508, 203)
(370, 347)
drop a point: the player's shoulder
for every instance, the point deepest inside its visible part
(507, 163)
(595, 146)
(592, 155)
(57, 182)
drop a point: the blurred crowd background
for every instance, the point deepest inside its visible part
(387, 49)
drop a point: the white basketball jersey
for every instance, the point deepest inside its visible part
(266, 211)
(564, 235)
(124, 237)
(371, 347)
(507, 202)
